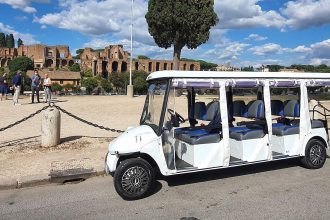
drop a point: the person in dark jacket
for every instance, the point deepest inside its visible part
(17, 83)
(3, 86)
(35, 85)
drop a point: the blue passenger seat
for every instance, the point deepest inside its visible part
(239, 108)
(289, 127)
(205, 134)
(256, 111)
(277, 109)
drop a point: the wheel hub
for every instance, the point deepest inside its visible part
(316, 155)
(135, 180)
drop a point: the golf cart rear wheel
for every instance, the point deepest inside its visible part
(315, 155)
(134, 178)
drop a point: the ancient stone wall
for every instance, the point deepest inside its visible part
(114, 59)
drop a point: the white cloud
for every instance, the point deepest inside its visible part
(302, 49)
(225, 52)
(317, 61)
(27, 38)
(97, 18)
(307, 13)
(267, 49)
(23, 5)
(321, 50)
(246, 14)
(256, 37)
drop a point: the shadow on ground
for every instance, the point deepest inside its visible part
(19, 141)
(74, 138)
(229, 172)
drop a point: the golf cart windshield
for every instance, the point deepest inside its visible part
(153, 106)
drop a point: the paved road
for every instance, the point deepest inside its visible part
(278, 190)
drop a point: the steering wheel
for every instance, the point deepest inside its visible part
(177, 115)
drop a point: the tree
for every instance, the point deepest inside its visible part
(19, 42)
(180, 23)
(140, 85)
(79, 52)
(142, 57)
(2, 40)
(89, 83)
(56, 87)
(75, 67)
(106, 85)
(21, 63)
(274, 68)
(119, 81)
(10, 41)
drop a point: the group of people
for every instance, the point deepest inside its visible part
(36, 83)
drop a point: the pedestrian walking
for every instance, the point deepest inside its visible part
(17, 83)
(35, 85)
(4, 86)
(47, 88)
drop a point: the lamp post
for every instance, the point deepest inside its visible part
(130, 91)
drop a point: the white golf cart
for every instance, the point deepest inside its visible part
(198, 121)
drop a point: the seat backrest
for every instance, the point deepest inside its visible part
(200, 110)
(277, 107)
(239, 108)
(256, 110)
(292, 109)
(213, 113)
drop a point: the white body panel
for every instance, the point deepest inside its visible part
(250, 150)
(287, 145)
(202, 155)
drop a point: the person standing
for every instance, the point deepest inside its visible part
(3, 86)
(47, 88)
(17, 83)
(35, 85)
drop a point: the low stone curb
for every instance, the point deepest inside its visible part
(41, 179)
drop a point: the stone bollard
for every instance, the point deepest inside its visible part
(50, 127)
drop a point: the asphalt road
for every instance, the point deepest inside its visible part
(277, 190)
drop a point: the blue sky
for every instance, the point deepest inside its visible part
(250, 32)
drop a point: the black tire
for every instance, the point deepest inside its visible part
(134, 178)
(315, 154)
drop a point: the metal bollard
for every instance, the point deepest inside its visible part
(50, 127)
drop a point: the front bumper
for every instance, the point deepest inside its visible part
(110, 163)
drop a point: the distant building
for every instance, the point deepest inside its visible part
(43, 56)
(60, 77)
(226, 68)
(113, 58)
(290, 70)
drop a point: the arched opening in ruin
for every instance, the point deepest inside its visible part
(150, 67)
(104, 70)
(3, 62)
(123, 66)
(71, 62)
(57, 63)
(136, 66)
(64, 63)
(165, 66)
(157, 66)
(184, 66)
(49, 63)
(114, 66)
(94, 66)
(192, 67)
(171, 66)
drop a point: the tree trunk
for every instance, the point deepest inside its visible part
(176, 57)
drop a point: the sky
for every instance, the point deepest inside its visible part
(249, 32)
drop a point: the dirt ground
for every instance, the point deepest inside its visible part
(20, 150)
